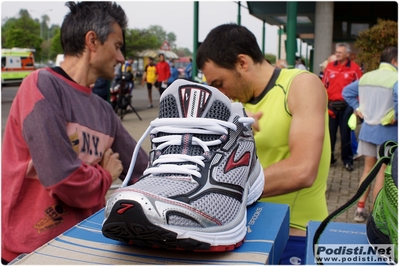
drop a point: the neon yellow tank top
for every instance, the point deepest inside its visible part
(151, 75)
(272, 145)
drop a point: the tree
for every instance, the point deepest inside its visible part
(56, 47)
(26, 32)
(22, 38)
(25, 21)
(158, 32)
(171, 38)
(22, 32)
(271, 58)
(162, 35)
(5, 28)
(45, 29)
(371, 42)
(138, 40)
(182, 52)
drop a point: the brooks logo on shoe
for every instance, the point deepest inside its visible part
(242, 161)
(194, 101)
(125, 207)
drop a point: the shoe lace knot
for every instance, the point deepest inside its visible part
(184, 132)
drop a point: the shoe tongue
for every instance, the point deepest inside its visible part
(188, 99)
(193, 101)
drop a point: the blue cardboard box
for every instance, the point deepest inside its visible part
(346, 242)
(267, 235)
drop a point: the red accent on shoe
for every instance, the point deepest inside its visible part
(126, 206)
(243, 161)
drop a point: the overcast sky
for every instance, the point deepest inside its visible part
(173, 16)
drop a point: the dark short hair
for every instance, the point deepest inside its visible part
(388, 54)
(225, 42)
(89, 16)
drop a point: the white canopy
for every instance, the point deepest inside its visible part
(155, 53)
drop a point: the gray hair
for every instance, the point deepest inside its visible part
(86, 16)
(343, 44)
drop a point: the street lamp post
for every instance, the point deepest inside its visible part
(41, 16)
(48, 43)
(41, 27)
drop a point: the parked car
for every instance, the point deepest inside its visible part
(40, 65)
(59, 59)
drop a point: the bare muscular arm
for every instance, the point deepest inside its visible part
(307, 103)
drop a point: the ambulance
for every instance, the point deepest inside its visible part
(16, 64)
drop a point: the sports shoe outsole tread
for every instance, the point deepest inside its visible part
(149, 235)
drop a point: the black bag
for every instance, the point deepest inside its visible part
(337, 105)
(127, 76)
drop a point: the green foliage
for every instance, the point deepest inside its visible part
(24, 39)
(25, 32)
(171, 38)
(271, 58)
(182, 52)
(5, 28)
(371, 42)
(56, 47)
(138, 40)
(27, 23)
(158, 32)
(162, 35)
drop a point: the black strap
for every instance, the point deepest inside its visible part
(385, 159)
(269, 86)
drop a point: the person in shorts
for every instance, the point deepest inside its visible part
(375, 100)
(150, 78)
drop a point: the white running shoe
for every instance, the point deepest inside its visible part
(202, 174)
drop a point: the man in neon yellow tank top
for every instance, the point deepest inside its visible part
(291, 132)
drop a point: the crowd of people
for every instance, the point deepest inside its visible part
(64, 146)
(159, 75)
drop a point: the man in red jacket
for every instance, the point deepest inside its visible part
(337, 75)
(163, 71)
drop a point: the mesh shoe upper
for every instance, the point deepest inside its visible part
(385, 211)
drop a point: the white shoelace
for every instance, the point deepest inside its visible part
(167, 163)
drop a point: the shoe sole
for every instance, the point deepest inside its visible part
(119, 226)
(357, 157)
(147, 234)
(348, 169)
(256, 189)
(359, 220)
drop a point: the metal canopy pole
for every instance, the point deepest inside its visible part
(280, 31)
(239, 14)
(195, 42)
(291, 33)
(263, 38)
